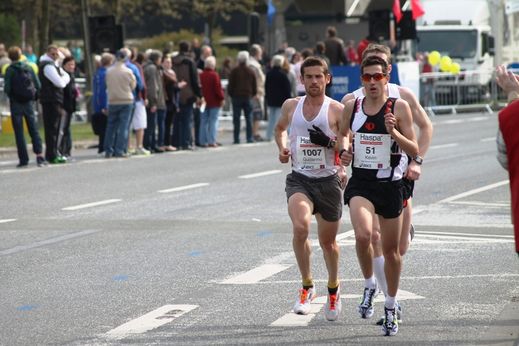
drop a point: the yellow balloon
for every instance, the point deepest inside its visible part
(445, 64)
(434, 57)
(23, 57)
(34, 67)
(455, 68)
(4, 68)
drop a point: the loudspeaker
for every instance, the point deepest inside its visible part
(254, 27)
(379, 25)
(105, 35)
(406, 29)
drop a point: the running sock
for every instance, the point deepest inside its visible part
(370, 282)
(308, 283)
(378, 270)
(390, 302)
(333, 287)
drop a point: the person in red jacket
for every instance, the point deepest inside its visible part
(213, 95)
(508, 141)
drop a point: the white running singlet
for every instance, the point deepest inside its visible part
(310, 159)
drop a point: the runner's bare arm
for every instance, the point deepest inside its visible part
(421, 119)
(347, 97)
(343, 136)
(400, 127)
(281, 135)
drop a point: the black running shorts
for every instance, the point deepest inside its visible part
(325, 193)
(407, 188)
(386, 197)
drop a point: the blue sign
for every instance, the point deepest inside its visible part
(346, 79)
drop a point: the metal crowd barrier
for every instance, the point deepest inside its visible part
(442, 92)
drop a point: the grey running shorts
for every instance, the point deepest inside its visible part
(386, 197)
(325, 193)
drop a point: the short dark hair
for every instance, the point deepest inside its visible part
(314, 61)
(376, 48)
(14, 53)
(184, 46)
(67, 59)
(372, 61)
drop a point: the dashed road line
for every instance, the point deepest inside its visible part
(260, 174)
(473, 192)
(183, 188)
(49, 241)
(7, 220)
(90, 205)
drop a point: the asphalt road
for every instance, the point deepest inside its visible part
(194, 248)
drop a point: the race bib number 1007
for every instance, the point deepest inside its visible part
(372, 151)
(309, 156)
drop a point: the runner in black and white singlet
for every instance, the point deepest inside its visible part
(412, 173)
(314, 185)
(381, 129)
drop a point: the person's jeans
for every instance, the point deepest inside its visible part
(161, 124)
(19, 111)
(182, 123)
(239, 104)
(209, 125)
(116, 138)
(274, 114)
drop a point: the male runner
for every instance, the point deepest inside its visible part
(314, 185)
(383, 133)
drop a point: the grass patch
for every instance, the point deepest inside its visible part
(80, 132)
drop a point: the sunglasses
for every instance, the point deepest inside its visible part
(366, 77)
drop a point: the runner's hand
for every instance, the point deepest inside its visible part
(317, 136)
(284, 155)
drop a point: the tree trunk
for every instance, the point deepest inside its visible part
(44, 25)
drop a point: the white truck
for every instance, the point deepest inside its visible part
(466, 31)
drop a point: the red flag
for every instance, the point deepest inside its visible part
(417, 9)
(397, 11)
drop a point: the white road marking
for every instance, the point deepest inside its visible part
(257, 274)
(442, 146)
(93, 204)
(294, 320)
(472, 235)
(488, 139)
(260, 174)
(150, 321)
(185, 187)
(474, 191)
(7, 220)
(21, 248)
(482, 204)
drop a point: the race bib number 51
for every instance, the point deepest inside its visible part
(309, 155)
(372, 151)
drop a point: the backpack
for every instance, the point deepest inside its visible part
(22, 85)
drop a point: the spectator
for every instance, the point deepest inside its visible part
(242, 88)
(100, 100)
(139, 121)
(185, 69)
(351, 53)
(334, 48)
(4, 59)
(156, 108)
(225, 69)
(29, 54)
(361, 47)
(70, 95)
(258, 100)
(53, 80)
(21, 102)
(213, 96)
(508, 141)
(120, 83)
(171, 92)
(278, 89)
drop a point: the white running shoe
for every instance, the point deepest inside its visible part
(302, 306)
(333, 306)
(365, 307)
(390, 325)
